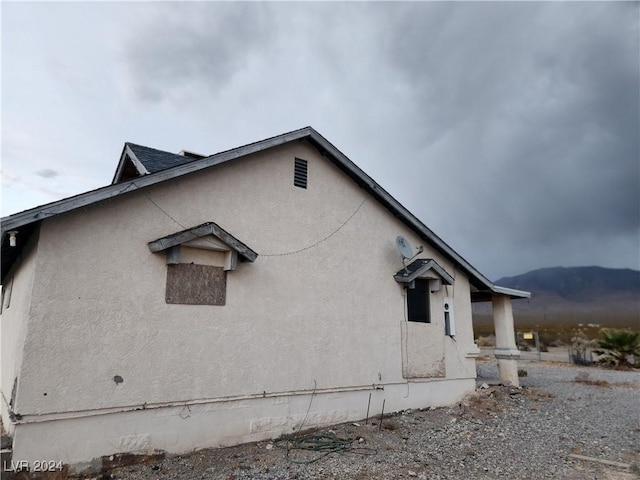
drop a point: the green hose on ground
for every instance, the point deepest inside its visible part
(323, 445)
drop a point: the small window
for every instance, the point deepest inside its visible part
(418, 301)
(300, 173)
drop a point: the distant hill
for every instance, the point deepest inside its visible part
(583, 284)
(574, 295)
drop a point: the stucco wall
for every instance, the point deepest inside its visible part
(16, 302)
(80, 441)
(328, 316)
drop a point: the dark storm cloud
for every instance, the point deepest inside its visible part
(543, 103)
(193, 46)
(511, 128)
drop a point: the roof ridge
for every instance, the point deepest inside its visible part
(299, 130)
(150, 148)
(308, 129)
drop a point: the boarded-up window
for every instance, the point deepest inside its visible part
(196, 284)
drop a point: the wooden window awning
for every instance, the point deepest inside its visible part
(422, 268)
(208, 236)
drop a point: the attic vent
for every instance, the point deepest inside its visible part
(300, 173)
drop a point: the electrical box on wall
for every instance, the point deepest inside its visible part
(449, 321)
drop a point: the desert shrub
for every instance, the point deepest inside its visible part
(583, 377)
(390, 425)
(522, 372)
(488, 341)
(579, 350)
(619, 348)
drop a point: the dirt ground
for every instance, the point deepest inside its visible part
(395, 448)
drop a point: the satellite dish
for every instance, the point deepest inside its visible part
(404, 247)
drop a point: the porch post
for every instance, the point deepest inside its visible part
(506, 350)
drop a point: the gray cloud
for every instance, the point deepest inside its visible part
(47, 173)
(194, 46)
(542, 101)
(509, 128)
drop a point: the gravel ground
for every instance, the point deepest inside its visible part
(499, 432)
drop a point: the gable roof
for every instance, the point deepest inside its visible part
(203, 230)
(137, 160)
(27, 218)
(419, 267)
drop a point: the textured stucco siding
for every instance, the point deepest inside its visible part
(13, 323)
(328, 317)
(79, 441)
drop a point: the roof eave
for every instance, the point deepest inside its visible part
(199, 231)
(511, 292)
(403, 277)
(120, 167)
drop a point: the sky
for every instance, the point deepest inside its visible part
(511, 129)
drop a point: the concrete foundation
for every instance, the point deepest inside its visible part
(82, 439)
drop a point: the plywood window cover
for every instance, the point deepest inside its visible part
(191, 284)
(176, 239)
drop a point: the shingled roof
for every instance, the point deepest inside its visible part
(137, 160)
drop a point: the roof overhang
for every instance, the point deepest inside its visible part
(488, 294)
(423, 268)
(196, 233)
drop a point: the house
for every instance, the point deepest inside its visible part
(203, 301)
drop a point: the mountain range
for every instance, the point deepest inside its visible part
(606, 296)
(582, 284)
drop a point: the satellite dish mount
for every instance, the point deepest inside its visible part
(406, 250)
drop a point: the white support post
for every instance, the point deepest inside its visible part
(506, 350)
